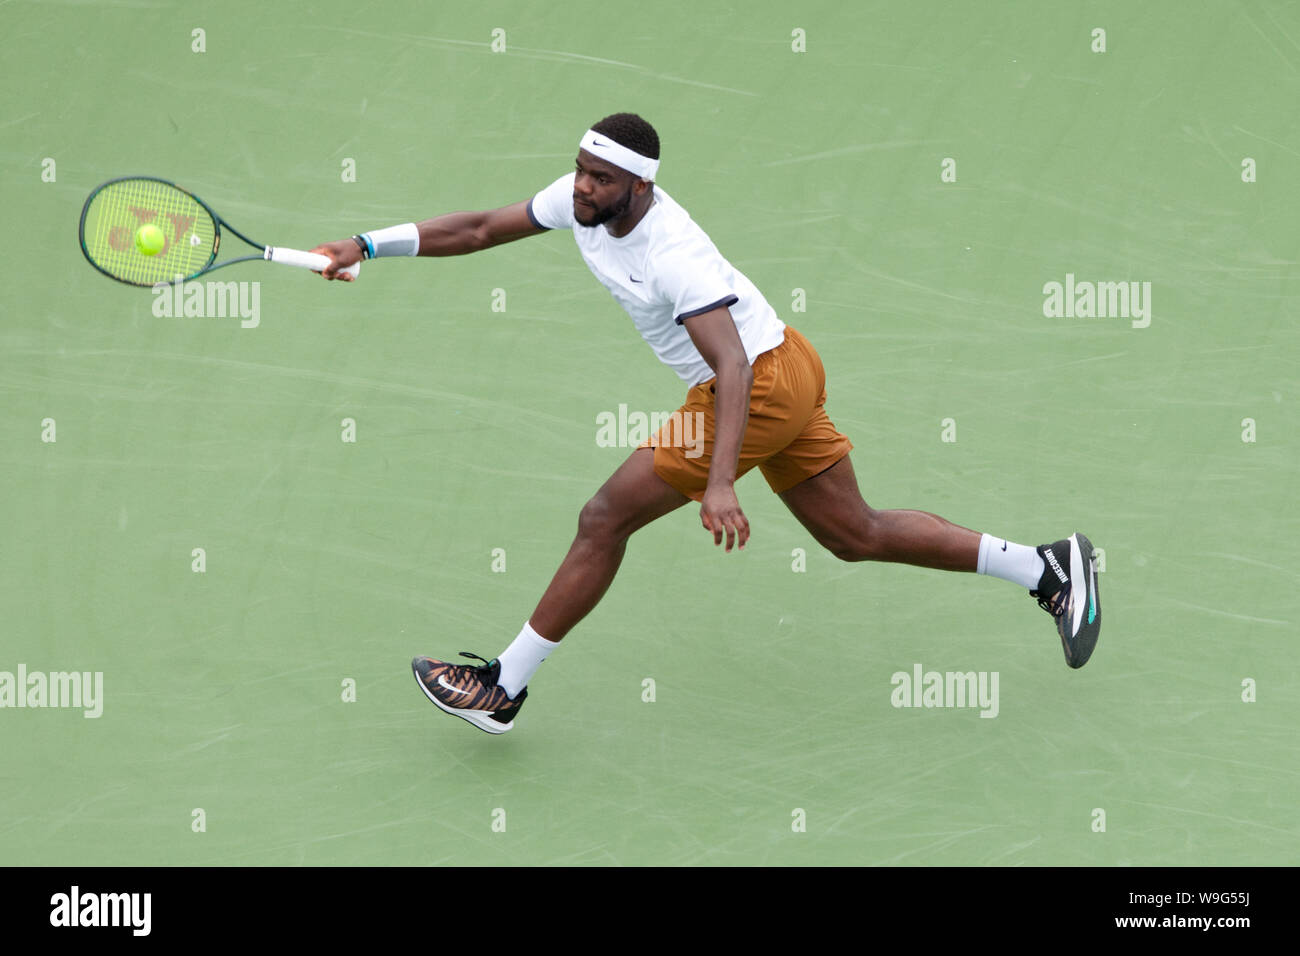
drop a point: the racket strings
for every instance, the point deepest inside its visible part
(119, 209)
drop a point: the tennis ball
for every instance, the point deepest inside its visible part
(149, 240)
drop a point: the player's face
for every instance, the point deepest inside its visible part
(601, 192)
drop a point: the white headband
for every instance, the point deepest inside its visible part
(601, 146)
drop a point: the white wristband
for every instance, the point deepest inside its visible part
(403, 240)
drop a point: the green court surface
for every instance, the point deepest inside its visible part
(772, 737)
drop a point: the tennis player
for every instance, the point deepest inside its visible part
(760, 388)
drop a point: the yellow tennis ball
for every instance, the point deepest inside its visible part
(149, 240)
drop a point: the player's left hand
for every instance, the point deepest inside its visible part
(720, 512)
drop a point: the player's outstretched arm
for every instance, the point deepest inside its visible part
(454, 234)
(458, 233)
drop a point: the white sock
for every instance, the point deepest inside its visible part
(1017, 563)
(519, 661)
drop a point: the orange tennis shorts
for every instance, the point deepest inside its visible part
(788, 435)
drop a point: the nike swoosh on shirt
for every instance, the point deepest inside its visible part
(630, 276)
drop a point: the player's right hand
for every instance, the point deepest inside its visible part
(342, 254)
(720, 512)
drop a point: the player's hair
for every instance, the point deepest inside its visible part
(630, 130)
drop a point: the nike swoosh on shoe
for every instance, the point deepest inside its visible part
(451, 687)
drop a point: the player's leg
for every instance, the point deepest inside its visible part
(632, 497)
(1062, 575)
(814, 477)
(490, 695)
(811, 471)
(831, 507)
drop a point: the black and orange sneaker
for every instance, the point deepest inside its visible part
(1068, 591)
(469, 691)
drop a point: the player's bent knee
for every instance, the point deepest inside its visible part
(860, 542)
(592, 518)
(598, 521)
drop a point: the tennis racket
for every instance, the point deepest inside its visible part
(191, 232)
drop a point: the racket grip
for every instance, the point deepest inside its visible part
(305, 260)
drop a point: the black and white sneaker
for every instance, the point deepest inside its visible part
(469, 692)
(1068, 591)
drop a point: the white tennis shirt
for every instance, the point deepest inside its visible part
(663, 272)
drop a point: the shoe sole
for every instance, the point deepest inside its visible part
(478, 718)
(1085, 615)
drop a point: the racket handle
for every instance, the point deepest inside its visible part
(305, 260)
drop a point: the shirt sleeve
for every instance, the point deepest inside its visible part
(552, 208)
(693, 284)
